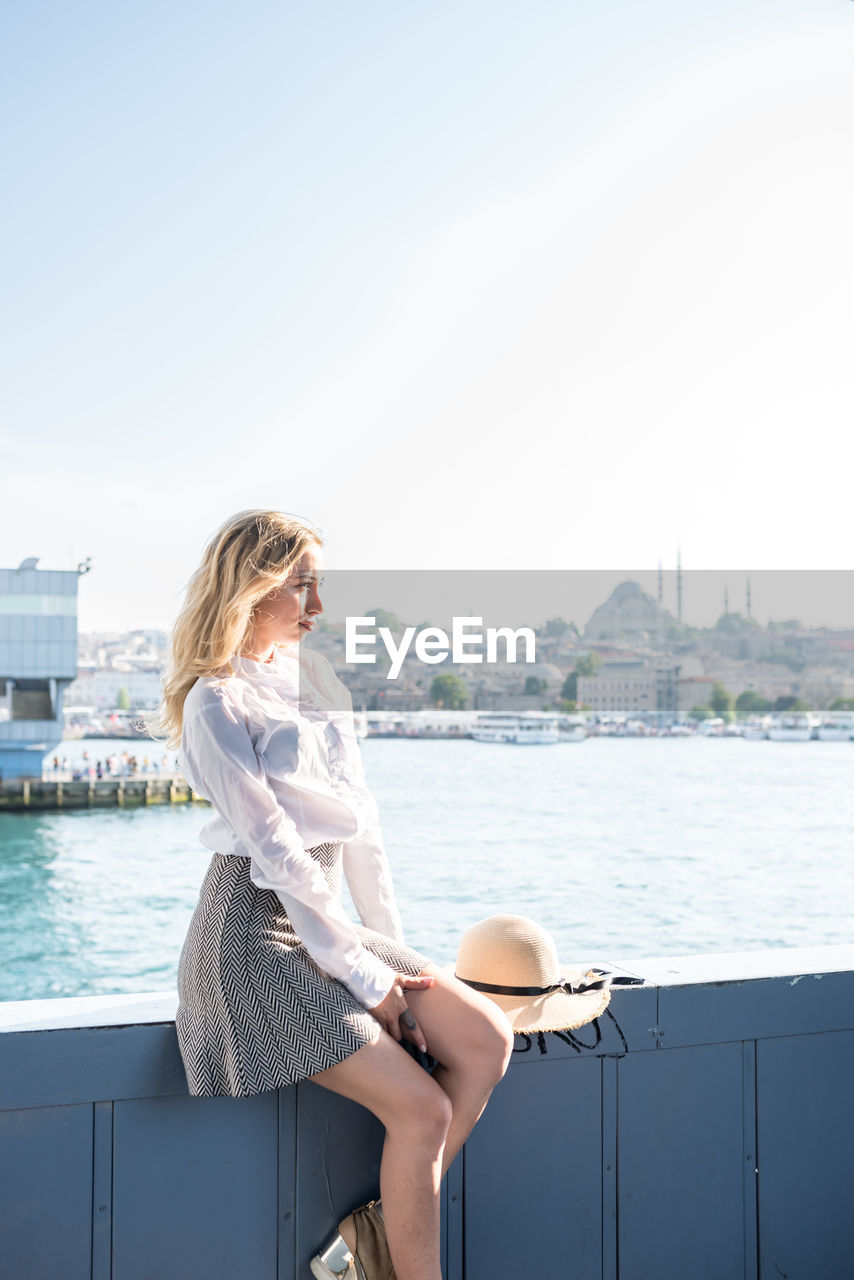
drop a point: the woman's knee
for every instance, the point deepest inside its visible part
(490, 1045)
(499, 1045)
(425, 1114)
(465, 1030)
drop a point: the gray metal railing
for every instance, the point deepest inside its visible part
(702, 1128)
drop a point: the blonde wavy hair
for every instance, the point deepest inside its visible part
(248, 557)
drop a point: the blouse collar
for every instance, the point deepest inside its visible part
(284, 667)
(298, 675)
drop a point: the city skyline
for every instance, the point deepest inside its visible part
(823, 599)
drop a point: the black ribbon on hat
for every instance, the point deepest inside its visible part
(593, 980)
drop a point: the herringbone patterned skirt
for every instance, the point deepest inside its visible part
(255, 1012)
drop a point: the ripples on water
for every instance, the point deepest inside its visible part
(621, 848)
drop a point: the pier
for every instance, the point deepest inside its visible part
(700, 1128)
(37, 795)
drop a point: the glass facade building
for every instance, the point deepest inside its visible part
(38, 659)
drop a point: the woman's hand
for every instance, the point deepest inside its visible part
(395, 1015)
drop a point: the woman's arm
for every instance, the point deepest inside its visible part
(365, 863)
(219, 755)
(369, 881)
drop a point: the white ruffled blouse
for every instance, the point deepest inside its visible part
(273, 747)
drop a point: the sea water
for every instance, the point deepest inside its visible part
(622, 848)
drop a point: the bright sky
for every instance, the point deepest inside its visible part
(469, 284)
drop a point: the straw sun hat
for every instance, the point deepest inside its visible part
(514, 962)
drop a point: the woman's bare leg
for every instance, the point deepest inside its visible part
(427, 1119)
(472, 1040)
(416, 1113)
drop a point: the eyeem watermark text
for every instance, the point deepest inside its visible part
(432, 644)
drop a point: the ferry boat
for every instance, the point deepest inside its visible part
(794, 726)
(756, 729)
(430, 722)
(835, 726)
(572, 728)
(712, 728)
(525, 727)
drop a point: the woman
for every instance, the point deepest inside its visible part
(275, 983)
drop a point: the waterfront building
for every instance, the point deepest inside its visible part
(666, 700)
(821, 686)
(693, 691)
(139, 650)
(101, 689)
(771, 680)
(818, 686)
(631, 688)
(38, 660)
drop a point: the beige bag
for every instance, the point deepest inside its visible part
(371, 1245)
(372, 1260)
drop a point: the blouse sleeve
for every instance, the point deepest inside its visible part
(365, 863)
(225, 767)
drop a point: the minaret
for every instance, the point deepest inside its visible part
(726, 599)
(660, 587)
(679, 583)
(748, 598)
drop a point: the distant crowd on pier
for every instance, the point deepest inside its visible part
(123, 765)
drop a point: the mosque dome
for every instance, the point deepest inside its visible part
(628, 614)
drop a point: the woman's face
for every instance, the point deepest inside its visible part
(286, 614)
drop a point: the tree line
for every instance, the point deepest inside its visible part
(723, 706)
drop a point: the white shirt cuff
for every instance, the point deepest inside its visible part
(371, 981)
